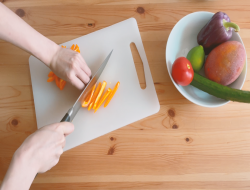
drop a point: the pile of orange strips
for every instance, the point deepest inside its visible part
(60, 83)
(96, 97)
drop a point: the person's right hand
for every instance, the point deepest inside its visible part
(43, 148)
(70, 66)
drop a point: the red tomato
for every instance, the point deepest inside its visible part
(182, 71)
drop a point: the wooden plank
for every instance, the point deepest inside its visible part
(227, 185)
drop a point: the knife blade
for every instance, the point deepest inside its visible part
(69, 116)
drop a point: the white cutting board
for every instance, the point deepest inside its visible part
(130, 103)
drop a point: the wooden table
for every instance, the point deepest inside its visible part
(184, 146)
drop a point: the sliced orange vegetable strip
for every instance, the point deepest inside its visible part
(106, 94)
(63, 46)
(89, 97)
(73, 47)
(90, 105)
(63, 84)
(99, 94)
(57, 81)
(51, 74)
(77, 49)
(112, 94)
(50, 79)
(95, 95)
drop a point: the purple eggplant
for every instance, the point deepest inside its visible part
(216, 31)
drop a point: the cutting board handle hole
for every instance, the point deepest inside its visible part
(138, 65)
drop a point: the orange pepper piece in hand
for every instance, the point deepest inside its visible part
(112, 94)
(103, 98)
(99, 94)
(89, 97)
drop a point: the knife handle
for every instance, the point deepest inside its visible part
(66, 118)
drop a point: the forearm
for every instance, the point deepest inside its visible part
(16, 31)
(20, 174)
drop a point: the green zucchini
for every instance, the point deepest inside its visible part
(220, 91)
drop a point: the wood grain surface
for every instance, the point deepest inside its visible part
(183, 146)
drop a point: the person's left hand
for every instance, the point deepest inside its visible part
(70, 66)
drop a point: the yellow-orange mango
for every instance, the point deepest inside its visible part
(225, 62)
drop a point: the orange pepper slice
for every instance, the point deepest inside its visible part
(106, 94)
(95, 95)
(57, 81)
(77, 48)
(112, 94)
(89, 97)
(63, 46)
(63, 84)
(50, 79)
(73, 47)
(99, 94)
(51, 74)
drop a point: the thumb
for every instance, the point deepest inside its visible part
(66, 128)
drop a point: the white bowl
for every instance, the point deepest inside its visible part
(182, 39)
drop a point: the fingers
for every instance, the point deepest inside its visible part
(84, 66)
(63, 144)
(66, 128)
(77, 83)
(59, 152)
(82, 76)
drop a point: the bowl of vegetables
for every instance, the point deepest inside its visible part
(206, 59)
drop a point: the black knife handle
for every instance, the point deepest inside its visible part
(66, 118)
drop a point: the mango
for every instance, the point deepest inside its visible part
(225, 62)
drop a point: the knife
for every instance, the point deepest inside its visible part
(69, 116)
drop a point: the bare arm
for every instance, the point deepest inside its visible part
(67, 64)
(37, 154)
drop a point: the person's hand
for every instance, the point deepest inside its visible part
(70, 66)
(43, 148)
(38, 153)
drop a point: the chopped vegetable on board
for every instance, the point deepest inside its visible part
(50, 79)
(99, 94)
(94, 96)
(89, 97)
(112, 94)
(106, 94)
